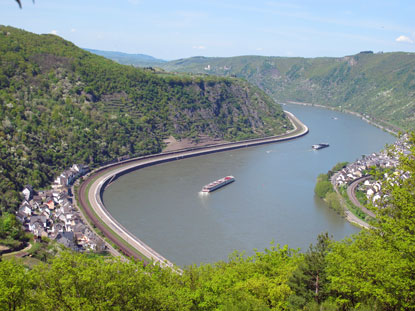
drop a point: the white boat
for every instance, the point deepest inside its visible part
(319, 146)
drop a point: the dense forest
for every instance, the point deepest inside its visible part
(379, 85)
(61, 105)
(372, 270)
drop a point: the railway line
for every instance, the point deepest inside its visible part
(90, 191)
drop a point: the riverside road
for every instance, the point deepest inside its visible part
(113, 230)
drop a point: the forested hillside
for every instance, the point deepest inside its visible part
(380, 85)
(60, 105)
(372, 270)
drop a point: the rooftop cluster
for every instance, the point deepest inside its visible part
(51, 213)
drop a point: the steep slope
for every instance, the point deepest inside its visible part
(60, 104)
(380, 85)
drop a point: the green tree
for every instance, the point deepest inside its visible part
(10, 227)
(323, 186)
(309, 281)
(14, 286)
(333, 201)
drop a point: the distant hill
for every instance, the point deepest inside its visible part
(61, 105)
(380, 85)
(139, 60)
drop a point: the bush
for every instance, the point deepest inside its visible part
(332, 200)
(323, 186)
(10, 228)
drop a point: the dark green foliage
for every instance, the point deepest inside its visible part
(10, 230)
(60, 105)
(309, 281)
(380, 85)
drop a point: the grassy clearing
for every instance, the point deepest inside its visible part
(27, 261)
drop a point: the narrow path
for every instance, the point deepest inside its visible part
(91, 201)
(18, 253)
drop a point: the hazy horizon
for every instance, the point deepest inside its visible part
(184, 28)
(195, 56)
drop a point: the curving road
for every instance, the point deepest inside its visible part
(351, 192)
(100, 178)
(348, 214)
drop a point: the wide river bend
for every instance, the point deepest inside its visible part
(272, 198)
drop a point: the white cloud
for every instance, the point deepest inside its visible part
(259, 49)
(54, 32)
(199, 47)
(73, 30)
(404, 39)
(134, 2)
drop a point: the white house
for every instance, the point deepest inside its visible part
(27, 192)
(25, 209)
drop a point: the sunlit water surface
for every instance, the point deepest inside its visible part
(272, 198)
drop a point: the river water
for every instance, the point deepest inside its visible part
(272, 198)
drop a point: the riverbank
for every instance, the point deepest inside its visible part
(387, 127)
(90, 192)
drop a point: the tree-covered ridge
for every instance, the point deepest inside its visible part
(372, 270)
(61, 105)
(380, 85)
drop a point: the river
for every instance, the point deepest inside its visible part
(272, 198)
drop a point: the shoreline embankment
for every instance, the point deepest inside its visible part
(91, 190)
(387, 127)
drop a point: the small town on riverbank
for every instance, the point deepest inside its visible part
(52, 214)
(386, 159)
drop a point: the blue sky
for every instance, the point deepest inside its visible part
(173, 29)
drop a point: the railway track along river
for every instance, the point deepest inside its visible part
(91, 190)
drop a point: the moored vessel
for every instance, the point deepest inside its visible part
(218, 184)
(319, 146)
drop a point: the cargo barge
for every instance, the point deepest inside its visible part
(218, 184)
(319, 146)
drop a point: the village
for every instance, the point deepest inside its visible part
(51, 214)
(386, 159)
